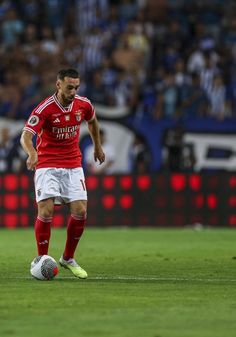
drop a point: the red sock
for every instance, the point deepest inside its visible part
(42, 233)
(75, 229)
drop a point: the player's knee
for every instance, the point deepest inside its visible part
(79, 209)
(80, 212)
(45, 212)
(46, 209)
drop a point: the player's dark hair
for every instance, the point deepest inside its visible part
(67, 73)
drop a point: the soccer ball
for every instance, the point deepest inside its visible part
(44, 267)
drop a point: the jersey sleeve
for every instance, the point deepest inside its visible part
(90, 111)
(35, 122)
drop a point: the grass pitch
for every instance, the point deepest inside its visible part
(142, 283)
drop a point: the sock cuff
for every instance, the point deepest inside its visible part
(41, 218)
(79, 217)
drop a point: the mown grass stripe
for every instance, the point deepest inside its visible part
(129, 278)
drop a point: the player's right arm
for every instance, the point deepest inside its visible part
(26, 141)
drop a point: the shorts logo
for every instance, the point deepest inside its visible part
(33, 120)
(39, 192)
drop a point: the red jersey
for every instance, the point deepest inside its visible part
(58, 130)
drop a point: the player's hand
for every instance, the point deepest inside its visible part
(32, 161)
(99, 155)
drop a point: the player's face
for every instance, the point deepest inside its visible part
(68, 88)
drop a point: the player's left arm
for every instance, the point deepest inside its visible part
(93, 128)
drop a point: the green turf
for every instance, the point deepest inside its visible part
(142, 283)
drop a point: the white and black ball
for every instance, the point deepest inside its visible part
(44, 267)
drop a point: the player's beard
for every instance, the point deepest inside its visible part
(67, 99)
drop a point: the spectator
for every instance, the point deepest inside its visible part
(139, 156)
(167, 98)
(11, 155)
(220, 106)
(138, 40)
(193, 100)
(30, 95)
(170, 57)
(11, 28)
(127, 58)
(55, 14)
(181, 75)
(6, 147)
(109, 74)
(94, 43)
(208, 72)
(89, 14)
(30, 11)
(195, 62)
(9, 96)
(177, 155)
(48, 41)
(176, 35)
(96, 90)
(128, 9)
(30, 37)
(126, 90)
(5, 5)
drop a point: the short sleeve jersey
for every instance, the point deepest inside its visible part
(57, 129)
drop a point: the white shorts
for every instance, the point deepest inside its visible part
(65, 185)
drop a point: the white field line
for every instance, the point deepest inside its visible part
(132, 278)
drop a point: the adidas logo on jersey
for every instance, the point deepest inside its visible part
(57, 120)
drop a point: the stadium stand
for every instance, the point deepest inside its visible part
(164, 62)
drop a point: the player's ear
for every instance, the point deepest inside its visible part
(58, 84)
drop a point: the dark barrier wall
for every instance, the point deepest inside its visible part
(174, 200)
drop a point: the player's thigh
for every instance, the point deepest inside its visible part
(47, 183)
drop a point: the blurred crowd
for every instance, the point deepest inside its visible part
(165, 58)
(168, 58)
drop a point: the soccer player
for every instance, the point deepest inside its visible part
(59, 177)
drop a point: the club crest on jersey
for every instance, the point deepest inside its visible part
(67, 118)
(33, 120)
(78, 115)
